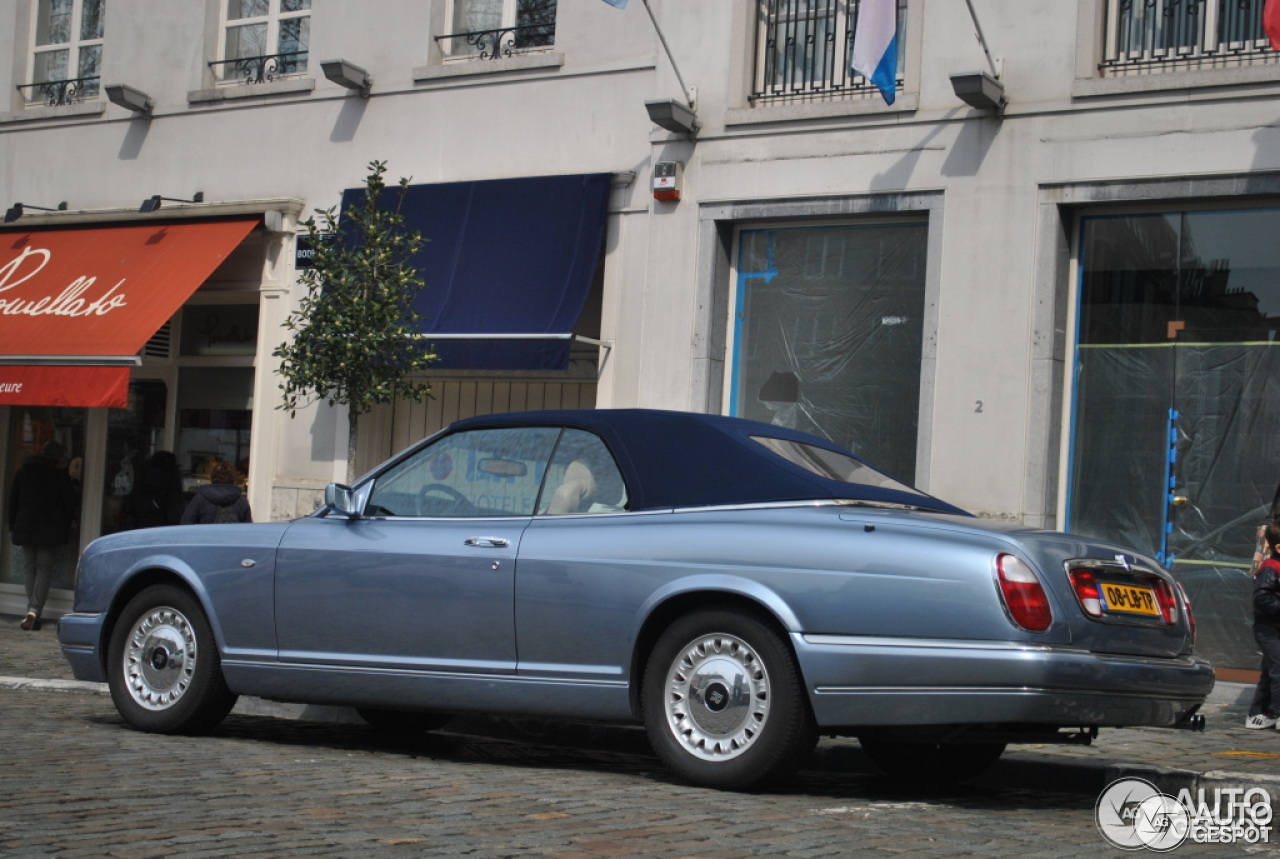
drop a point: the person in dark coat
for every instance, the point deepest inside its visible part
(156, 498)
(1265, 708)
(218, 501)
(42, 507)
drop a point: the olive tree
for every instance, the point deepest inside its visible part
(353, 340)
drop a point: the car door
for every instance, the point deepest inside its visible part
(424, 578)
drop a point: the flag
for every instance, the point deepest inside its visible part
(1271, 22)
(617, 4)
(875, 44)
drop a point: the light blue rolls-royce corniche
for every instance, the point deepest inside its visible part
(737, 588)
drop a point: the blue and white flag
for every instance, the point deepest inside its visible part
(875, 45)
(617, 4)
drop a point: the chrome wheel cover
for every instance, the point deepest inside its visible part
(159, 658)
(717, 697)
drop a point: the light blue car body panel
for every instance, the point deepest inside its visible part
(893, 615)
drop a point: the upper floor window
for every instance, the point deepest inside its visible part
(66, 51)
(489, 29)
(1145, 36)
(804, 49)
(264, 39)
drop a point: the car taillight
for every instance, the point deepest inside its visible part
(1023, 594)
(1186, 606)
(1085, 584)
(1167, 599)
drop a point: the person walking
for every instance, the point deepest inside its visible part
(42, 507)
(219, 500)
(1266, 631)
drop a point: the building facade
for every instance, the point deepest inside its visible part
(1051, 302)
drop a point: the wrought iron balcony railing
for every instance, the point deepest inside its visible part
(502, 42)
(256, 70)
(54, 93)
(1153, 36)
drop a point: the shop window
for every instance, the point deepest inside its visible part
(828, 335)
(66, 52)
(215, 420)
(263, 40)
(32, 429)
(219, 329)
(134, 435)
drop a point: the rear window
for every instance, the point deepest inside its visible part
(831, 464)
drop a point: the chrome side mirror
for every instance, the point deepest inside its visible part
(341, 500)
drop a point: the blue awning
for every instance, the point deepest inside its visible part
(507, 263)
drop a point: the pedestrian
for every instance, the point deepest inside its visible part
(219, 500)
(42, 507)
(156, 498)
(1266, 631)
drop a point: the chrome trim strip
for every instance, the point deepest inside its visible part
(407, 672)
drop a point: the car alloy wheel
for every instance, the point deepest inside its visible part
(163, 667)
(723, 702)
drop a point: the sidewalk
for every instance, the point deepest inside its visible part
(1226, 755)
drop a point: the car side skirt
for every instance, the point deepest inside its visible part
(607, 701)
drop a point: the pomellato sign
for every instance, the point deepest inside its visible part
(103, 291)
(76, 298)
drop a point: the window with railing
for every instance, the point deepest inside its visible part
(1151, 36)
(490, 29)
(263, 40)
(66, 52)
(804, 49)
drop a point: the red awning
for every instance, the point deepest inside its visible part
(76, 305)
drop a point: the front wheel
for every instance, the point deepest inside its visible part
(163, 667)
(724, 704)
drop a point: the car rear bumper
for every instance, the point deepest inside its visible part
(80, 636)
(874, 681)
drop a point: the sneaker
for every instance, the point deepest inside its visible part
(1259, 722)
(31, 620)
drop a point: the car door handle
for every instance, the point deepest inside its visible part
(488, 542)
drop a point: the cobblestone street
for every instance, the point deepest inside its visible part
(78, 783)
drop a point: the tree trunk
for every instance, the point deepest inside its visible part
(353, 422)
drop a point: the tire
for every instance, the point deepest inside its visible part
(724, 704)
(163, 667)
(404, 721)
(931, 763)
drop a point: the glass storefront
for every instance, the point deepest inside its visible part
(829, 333)
(30, 430)
(1175, 444)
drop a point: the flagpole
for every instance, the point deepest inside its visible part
(688, 93)
(982, 40)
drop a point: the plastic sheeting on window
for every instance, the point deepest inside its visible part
(1177, 454)
(829, 333)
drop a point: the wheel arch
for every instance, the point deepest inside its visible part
(143, 578)
(664, 612)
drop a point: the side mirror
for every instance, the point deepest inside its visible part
(341, 500)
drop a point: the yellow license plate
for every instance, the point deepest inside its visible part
(1130, 599)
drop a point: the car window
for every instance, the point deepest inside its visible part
(831, 464)
(583, 478)
(490, 472)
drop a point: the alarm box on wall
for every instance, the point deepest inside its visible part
(668, 180)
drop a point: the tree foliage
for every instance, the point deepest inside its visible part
(353, 340)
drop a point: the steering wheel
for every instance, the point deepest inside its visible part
(440, 488)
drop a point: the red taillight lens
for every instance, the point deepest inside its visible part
(1186, 606)
(1168, 600)
(1023, 595)
(1086, 588)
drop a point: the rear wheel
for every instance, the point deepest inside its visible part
(163, 667)
(931, 763)
(724, 704)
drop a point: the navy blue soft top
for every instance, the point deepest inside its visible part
(682, 459)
